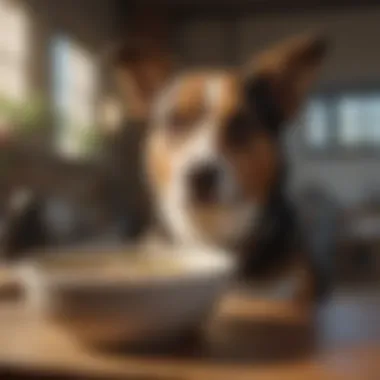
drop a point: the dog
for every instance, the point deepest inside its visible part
(214, 159)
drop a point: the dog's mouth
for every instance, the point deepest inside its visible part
(206, 198)
(211, 189)
(213, 202)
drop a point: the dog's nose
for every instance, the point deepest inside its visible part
(203, 182)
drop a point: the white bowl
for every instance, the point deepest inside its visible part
(104, 308)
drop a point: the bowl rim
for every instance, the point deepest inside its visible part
(212, 262)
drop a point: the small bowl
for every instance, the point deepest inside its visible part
(127, 296)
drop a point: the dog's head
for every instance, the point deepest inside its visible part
(212, 153)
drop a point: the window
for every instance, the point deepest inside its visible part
(349, 121)
(13, 50)
(74, 96)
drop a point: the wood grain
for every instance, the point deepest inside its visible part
(247, 339)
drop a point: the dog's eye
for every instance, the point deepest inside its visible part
(239, 131)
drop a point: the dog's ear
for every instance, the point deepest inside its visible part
(141, 68)
(278, 79)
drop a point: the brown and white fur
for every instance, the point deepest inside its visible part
(213, 155)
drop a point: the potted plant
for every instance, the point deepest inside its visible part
(24, 121)
(8, 114)
(91, 140)
(82, 142)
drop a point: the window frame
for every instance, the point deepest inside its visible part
(334, 150)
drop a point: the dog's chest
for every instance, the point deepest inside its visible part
(275, 242)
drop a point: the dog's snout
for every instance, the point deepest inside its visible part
(203, 181)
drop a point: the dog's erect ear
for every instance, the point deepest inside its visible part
(278, 79)
(142, 68)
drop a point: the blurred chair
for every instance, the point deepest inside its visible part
(361, 260)
(33, 222)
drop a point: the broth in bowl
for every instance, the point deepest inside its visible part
(114, 265)
(130, 264)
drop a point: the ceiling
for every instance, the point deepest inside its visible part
(256, 5)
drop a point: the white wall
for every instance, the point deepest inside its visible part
(355, 58)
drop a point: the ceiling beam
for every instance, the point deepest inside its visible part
(257, 6)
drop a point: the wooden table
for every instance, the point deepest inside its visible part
(247, 339)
